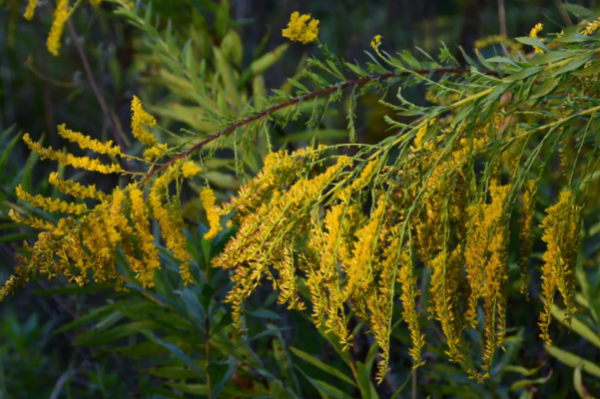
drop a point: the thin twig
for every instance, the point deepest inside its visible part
(95, 88)
(308, 96)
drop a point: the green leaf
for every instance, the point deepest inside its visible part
(33, 158)
(522, 75)
(577, 9)
(232, 47)
(527, 383)
(220, 373)
(6, 152)
(175, 372)
(202, 390)
(194, 308)
(325, 389)
(532, 41)
(592, 69)
(553, 56)
(265, 314)
(579, 388)
(174, 350)
(573, 360)
(576, 325)
(365, 385)
(319, 364)
(573, 64)
(265, 62)
(92, 315)
(522, 370)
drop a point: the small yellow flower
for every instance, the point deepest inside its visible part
(298, 31)
(86, 142)
(140, 118)
(534, 33)
(591, 27)
(30, 11)
(376, 42)
(61, 14)
(190, 169)
(208, 200)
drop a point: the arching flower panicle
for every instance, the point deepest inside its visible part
(61, 13)
(561, 235)
(86, 142)
(30, 10)
(93, 165)
(75, 189)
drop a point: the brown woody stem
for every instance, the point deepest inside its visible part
(304, 97)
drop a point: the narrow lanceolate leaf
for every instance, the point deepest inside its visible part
(323, 366)
(573, 360)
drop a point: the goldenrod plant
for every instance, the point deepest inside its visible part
(352, 232)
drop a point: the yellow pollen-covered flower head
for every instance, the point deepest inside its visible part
(61, 14)
(376, 42)
(299, 28)
(139, 119)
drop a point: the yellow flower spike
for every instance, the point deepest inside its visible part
(298, 31)
(590, 28)
(61, 14)
(75, 189)
(145, 239)
(49, 204)
(190, 169)
(86, 142)
(139, 119)
(93, 165)
(208, 201)
(376, 42)
(30, 11)
(534, 33)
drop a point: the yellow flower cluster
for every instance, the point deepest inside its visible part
(84, 244)
(75, 189)
(30, 10)
(525, 233)
(561, 235)
(139, 119)
(86, 142)
(49, 204)
(61, 14)
(214, 221)
(265, 228)
(93, 165)
(299, 31)
(534, 33)
(591, 27)
(190, 169)
(376, 42)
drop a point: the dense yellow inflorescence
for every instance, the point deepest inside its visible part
(30, 10)
(561, 235)
(214, 221)
(61, 13)
(299, 28)
(84, 243)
